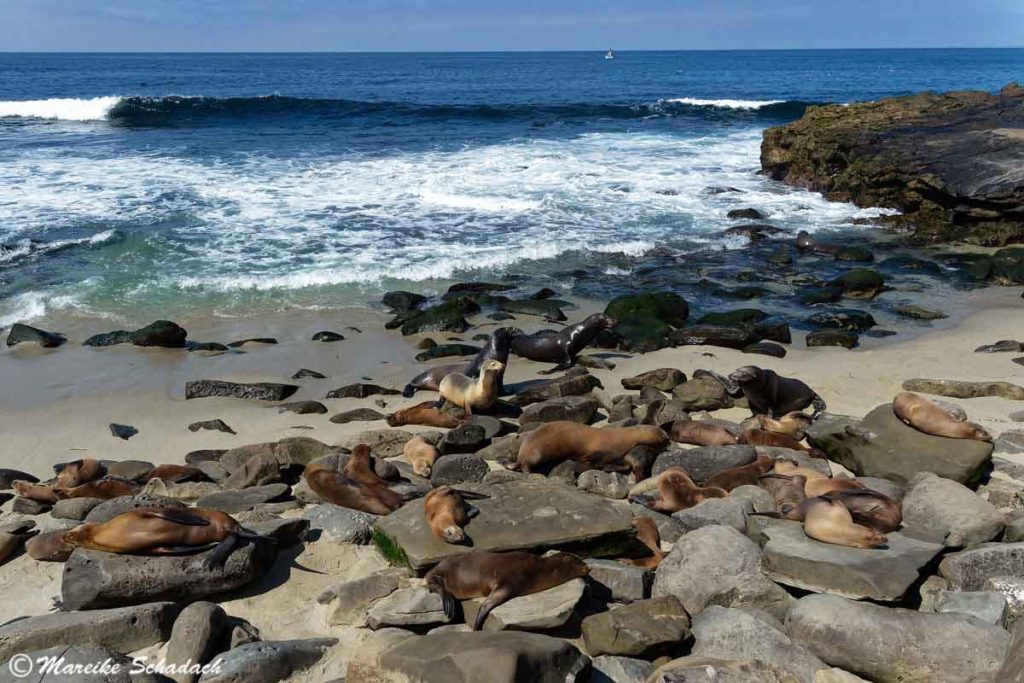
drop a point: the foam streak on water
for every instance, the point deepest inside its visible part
(64, 109)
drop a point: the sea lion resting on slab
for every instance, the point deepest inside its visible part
(771, 394)
(176, 473)
(761, 437)
(646, 533)
(472, 394)
(13, 535)
(793, 424)
(677, 492)
(105, 489)
(562, 347)
(497, 348)
(829, 521)
(421, 454)
(555, 442)
(700, 433)
(499, 577)
(164, 531)
(925, 416)
(741, 476)
(425, 414)
(867, 507)
(447, 512)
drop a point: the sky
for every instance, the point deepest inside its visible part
(452, 25)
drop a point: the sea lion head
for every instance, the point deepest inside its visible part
(572, 565)
(745, 375)
(493, 366)
(454, 534)
(804, 240)
(503, 335)
(601, 320)
(73, 537)
(49, 547)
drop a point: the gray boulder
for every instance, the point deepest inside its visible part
(571, 408)
(704, 462)
(199, 634)
(608, 669)
(968, 570)
(608, 484)
(244, 499)
(340, 525)
(407, 607)
(458, 469)
(547, 609)
(702, 393)
(70, 658)
(348, 603)
(949, 513)
(74, 508)
(960, 389)
(724, 511)
(575, 382)
(266, 661)
(618, 582)
(709, 670)
(260, 391)
(642, 629)
(988, 607)
(668, 528)
(662, 379)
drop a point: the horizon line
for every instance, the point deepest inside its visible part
(509, 51)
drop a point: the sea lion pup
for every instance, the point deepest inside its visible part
(176, 473)
(677, 492)
(499, 577)
(447, 512)
(421, 454)
(425, 414)
(164, 531)
(496, 348)
(787, 490)
(472, 394)
(336, 488)
(49, 547)
(741, 476)
(760, 437)
(77, 472)
(774, 395)
(562, 347)
(699, 433)
(646, 533)
(13, 535)
(793, 424)
(829, 521)
(925, 416)
(555, 442)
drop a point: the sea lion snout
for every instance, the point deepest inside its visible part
(748, 373)
(454, 534)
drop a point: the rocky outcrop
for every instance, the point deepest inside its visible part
(951, 163)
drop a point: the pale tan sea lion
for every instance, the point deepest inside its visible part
(421, 454)
(829, 521)
(447, 513)
(927, 417)
(699, 433)
(562, 440)
(473, 394)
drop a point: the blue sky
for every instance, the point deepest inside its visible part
(357, 25)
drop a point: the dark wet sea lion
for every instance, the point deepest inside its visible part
(761, 437)
(677, 492)
(829, 521)
(647, 533)
(562, 440)
(13, 535)
(927, 417)
(562, 347)
(804, 242)
(699, 433)
(792, 424)
(164, 531)
(473, 394)
(774, 395)
(497, 348)
(741, 476)
(447, 512)
(499, 577)
(424, 414)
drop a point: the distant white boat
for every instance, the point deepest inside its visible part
(610, 54)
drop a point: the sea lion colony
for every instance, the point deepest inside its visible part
(646, 445)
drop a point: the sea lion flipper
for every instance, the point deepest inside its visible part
(409, 391)
(819, 407)
(221, 553)
(176, 515)
(179, 549)
(497, 597)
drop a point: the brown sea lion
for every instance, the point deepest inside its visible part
(823, 485)
(677, 491)
(42, 493)
(79, 472)
(421, 454)
(447, 512)
(700, 433)
(562, 440)
(787, 490)
(562, 347)
(105, 489)
(771, 394)
(497, 348)
(164, 531)
(176, 473)
(793, 424)
(647, 533)
(871, 508)
(13, 535)
(761, 437)
(741, 476)
(49, 547)
(499, 577)
(472, 394)
(425, 414)
(790, 467)
(927, 417)
(829, 521)
(369, 495)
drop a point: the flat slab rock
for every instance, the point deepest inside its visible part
(793, 559)
(547, 609)
(526, 514)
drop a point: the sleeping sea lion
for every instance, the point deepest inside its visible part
(176, 473)
(927, 417)
(771, 394)
(425, 414)
(823, 485)
(867, 507)
(472, 394)
(78, 472)
(13, 535)
(562, 347)
(700, 433)
(336, 488)
(647, 533)
(359, 470)
(761, 437)
(787, 490)
(164, 531)
(421, 454)
(499, 577)
(741, 476)
(447, 512)
(562, 440)
(829, 521)
(677, 492)
(105, 489)
(497, 348)
(793, 424)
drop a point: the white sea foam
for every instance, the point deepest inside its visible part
(724, 104)
(65, 109)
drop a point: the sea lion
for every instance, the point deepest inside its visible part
(497, 348)
(472, 394)
(49, 547)
(164, 531)
(447, 512)
(771, 394)
(741, 476)
(867, 507)
(761, 437)
(42, 493)
(13, 535)
(562, 347)
(804, 242)
(700, 433)
(77, 472)
(358, 488)
(561, 440)
(677, 492)
(823, 485)
(786, 466)
(787, 490)
(793, 424)
(647, 533)
(105, 489)
(499, 577)
(925, 416)
(421, 454)
(359, 470)
(425, 414)
(829, 521)
(176, 473)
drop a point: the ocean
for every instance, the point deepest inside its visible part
(137, 186)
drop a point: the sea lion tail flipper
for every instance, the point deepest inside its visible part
(450, 604)
(248, 535)
(472, 511)
(497, 597)
(409, 391)
(652, 412)
(819, 407)
(220, 554)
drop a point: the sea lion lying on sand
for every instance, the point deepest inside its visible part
(425, 414)
(497, 348)
(927, 417)
(771, 394)
(105, 489)
(564, 346)
(554, 442)
(472, 394)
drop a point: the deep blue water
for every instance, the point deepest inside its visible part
(238, 183)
